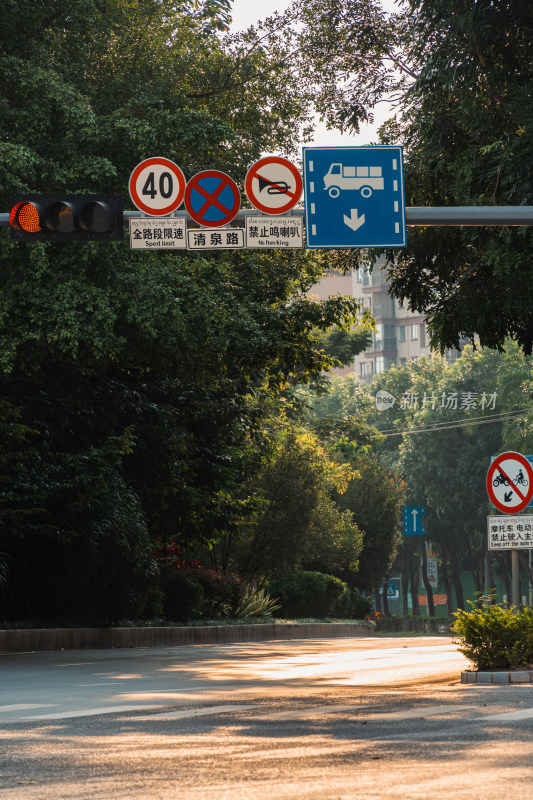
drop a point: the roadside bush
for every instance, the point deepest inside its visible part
(307, 594)
(223, 591)
(496, 637)
(183, 597)
(256, 603)
(352, 605)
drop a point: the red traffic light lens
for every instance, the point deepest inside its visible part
(25, 217)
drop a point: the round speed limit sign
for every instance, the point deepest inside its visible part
(157, 186)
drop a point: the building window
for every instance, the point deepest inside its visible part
(402, 333)
(362, 369)
(422, 335)
(414, 332)
(380, 364)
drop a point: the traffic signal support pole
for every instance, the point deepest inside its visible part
(424, 217)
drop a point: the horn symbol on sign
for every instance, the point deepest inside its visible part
(274, 187)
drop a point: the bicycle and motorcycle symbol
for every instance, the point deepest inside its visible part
(510, 482)
(520, 480)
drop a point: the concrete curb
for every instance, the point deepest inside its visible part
(503, 676)
(25, 641)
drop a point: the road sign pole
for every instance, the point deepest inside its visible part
(515, 570)
(530, 584)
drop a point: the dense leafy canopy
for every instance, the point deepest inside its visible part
(134, 384)
(446, 423)
(460, 76)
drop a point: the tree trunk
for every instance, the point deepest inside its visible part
(414, 579)
(524, 561)
(492, 582)
(448, 586)
(385, 598)
(428, 587)
(458, 586)
(405, 591)
(504, 565)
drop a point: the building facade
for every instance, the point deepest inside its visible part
(400, 336)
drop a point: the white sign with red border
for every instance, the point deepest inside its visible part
(510, 482)
(273, 185)
(157, 186)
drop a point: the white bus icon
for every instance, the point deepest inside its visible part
(364, 178)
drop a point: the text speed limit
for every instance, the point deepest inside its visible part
(157, 186)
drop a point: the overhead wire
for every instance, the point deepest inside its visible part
(451, 424)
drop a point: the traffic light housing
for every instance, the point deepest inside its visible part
(66, 218)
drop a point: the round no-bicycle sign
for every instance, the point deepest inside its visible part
(212, 198)
(157, 186)
(510, 482)
(273, 185)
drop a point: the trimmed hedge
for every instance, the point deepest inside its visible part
(307, 594)
(495, 637)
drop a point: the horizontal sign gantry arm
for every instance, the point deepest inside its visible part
(431, 216)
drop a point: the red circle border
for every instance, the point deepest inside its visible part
(257, 166)
(490, 473)
(213, 173)
(176, 172)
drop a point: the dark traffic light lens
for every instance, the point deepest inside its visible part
(97, 217)
(61, 218)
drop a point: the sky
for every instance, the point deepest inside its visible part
(248, 12)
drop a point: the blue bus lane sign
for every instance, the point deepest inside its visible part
(354, 197)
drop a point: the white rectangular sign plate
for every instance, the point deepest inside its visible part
(151, 233)
(271, 231)
(510, 533)
(215, 239)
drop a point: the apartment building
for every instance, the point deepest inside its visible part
(401, 335)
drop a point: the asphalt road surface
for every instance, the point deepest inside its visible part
(316, 719)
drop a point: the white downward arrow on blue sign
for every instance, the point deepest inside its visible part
(354, 221)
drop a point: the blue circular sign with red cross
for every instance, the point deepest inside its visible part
(212, 198)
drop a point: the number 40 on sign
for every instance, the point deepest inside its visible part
(157, 186)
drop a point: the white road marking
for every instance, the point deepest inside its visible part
(307, 712)
(525, 713)
(195, 712)
(357, 710)
(421, 711)
(111, 683)
(24, 706)
(89, 712)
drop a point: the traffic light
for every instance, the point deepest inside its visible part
(66, 218)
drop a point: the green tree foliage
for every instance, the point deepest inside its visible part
(136, 381)
(344, 345)
(298, 523)
(459, 75)
(446, 423)
(375, 494)
(308, 594)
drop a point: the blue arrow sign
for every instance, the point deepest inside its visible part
(354, 197)
(412, 520)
